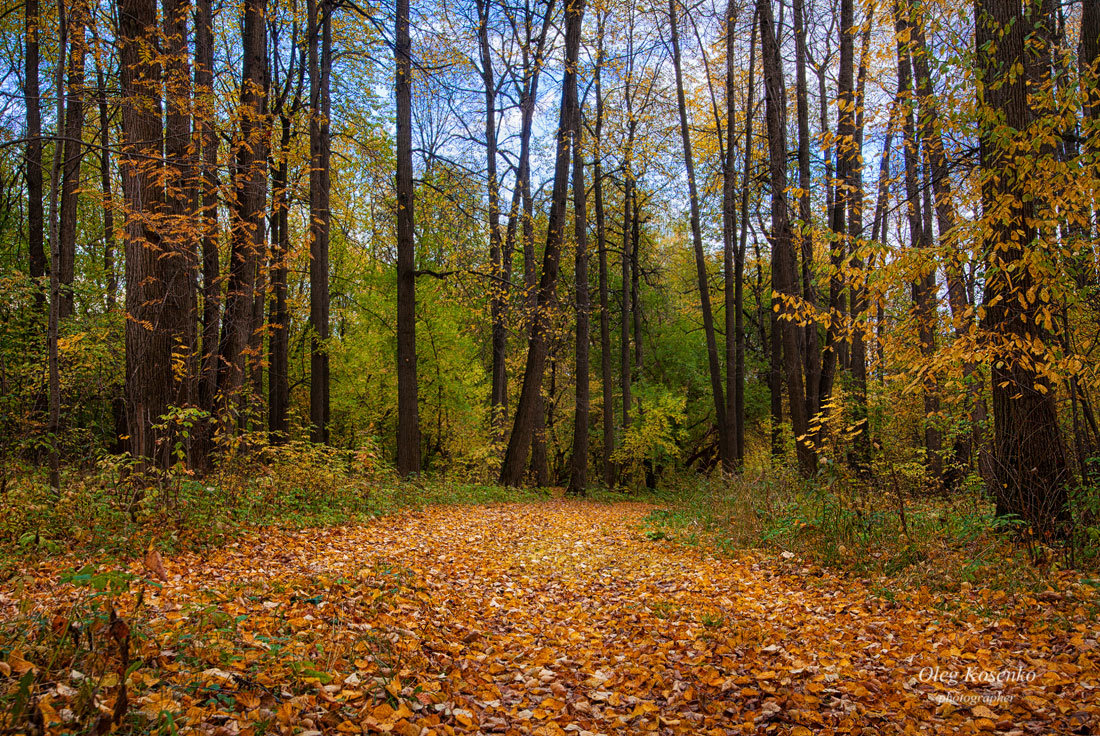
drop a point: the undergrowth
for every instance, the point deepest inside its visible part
(888, 530)
(105, 511)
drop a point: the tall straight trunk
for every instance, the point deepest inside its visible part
(635, 281)
(578, 464)
(836, 347)
(278, 401)
(1088, 57)
(247, 216)
(179, 193)
(53, 425)
(207, 144)
(962, 316)
(861, 444)
(320, 62)
(625, 285)
(533, 51)
(408, 417)
(809, 292)
(519, 442)
(784, 279)
(106, 184)
(1030, 472)
(725, 450)
(72, 153)
(31, 100)
(607, 383)
(498, 398)
(734, 384)
(154, 327)
(739, 254)
(923, 283)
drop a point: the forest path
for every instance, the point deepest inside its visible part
(566, 617)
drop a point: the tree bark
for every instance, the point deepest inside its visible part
(725, 451)
(784, 280)
(607, 382)
(519, 442)
(578, 465)
(320, 63)
(72, 153)
(247, 216)
(1030, 472)
(408, 420)
(31, 99)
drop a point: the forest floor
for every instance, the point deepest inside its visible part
(542, 618)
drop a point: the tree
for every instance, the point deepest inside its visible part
(784, 284)
(726, 451)
(31, 99)
(578, 466)
(72, 152)
(320, 216)
(408, 422)
(1029, 472)
(519, 443)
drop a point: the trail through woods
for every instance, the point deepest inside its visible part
(568, 617)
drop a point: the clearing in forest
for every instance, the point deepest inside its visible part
(547, 618)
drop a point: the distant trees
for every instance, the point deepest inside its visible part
(291, 262)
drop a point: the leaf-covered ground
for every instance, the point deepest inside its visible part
(561, 617)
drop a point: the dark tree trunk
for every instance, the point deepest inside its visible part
(408, 419)
(607, 382)
(923, 285)
(72, 153)
(809, 292)
(739, 255)
(179, 195)
(578, 465)
(784, 279)
(153, 328)
(1029, 469)
(725, 450)
(860, 457)
(35, 218)
(207, 142)
(498, 398)
(320, 61)
(247, 217)
(734, 383)
(935, 159)
(520, 441)
(627, 307)
(107, 188)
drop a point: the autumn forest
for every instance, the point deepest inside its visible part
(337, 304)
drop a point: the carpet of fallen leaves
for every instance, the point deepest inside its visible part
(561, 617)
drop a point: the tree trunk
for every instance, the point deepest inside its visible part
(152, 330)
(520, 441)
(1030, 473)
(923, 285)
(725, 450)
(278, 401)
(106, 187)
(739, 255)
(72, 153)
(408, 420)
(607, 383)
(179, 198)
(247, 216)
(578, 465)
(809, 292)
(936, 161)
(498, 399)
(35, 219)
(784, 280)
(320, 60)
